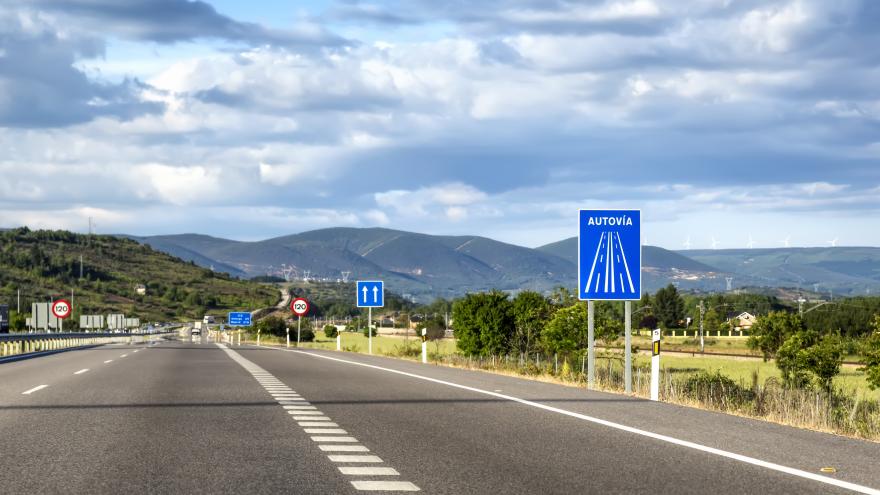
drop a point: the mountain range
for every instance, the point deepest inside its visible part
(427, 266)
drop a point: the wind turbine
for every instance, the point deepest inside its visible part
(787, 241)
(687, 243)
(751, 242)
(833, 242)
(715, 243)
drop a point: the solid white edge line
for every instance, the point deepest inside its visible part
(656, 436)
(35, 389)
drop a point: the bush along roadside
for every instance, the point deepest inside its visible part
(814, 406)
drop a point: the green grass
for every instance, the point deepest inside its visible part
(739, 369)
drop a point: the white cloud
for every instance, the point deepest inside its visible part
(176, 185)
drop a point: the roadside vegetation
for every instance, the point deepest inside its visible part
(791, 370)
(44, 264)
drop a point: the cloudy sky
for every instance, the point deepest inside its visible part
(252, 119)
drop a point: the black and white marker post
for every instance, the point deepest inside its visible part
(655, 365)
(425, 345)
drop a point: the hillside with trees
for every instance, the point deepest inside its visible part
(102, 274)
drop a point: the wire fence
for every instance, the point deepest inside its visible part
(833, 411)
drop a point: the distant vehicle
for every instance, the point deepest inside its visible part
(196, 331)
(208, 319)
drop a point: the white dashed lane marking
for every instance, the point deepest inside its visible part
(340, 447)
(385, 486)
(108, 361)
(35, 389)
(80, 372)
(368, 471)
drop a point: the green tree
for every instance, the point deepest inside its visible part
(669, 307)
(871, 356)
(712, 321)
(483, 323)
(567, 330)
(805, 358)
(272, 325)
(608, 322)
(531, 312)
(771, 331)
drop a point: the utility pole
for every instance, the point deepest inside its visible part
(801, 302)
(702, 312)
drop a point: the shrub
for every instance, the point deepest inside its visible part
(806, 359)
(330, 331)
(717, 390)
(306, 334)
(367, 331)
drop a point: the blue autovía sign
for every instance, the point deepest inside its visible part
(239, 319)
(610, 255)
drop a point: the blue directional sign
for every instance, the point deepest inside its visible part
(371, 294)
(610, 255)
(241, 319)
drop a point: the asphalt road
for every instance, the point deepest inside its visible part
(195, 417)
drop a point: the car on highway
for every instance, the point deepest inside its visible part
(196, 331)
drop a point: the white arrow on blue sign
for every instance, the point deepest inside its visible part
(239, 319)
(610, 255)
(370, 294)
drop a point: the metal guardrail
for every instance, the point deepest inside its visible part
(20, 344)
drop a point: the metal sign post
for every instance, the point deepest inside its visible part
(655, 365)
(300, 307)
(370, 294)
(609, 269)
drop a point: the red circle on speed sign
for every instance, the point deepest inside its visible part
(61, 308)
(300, 306)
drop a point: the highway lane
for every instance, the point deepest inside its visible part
(175, 418)
(196, 417)
(450, 440)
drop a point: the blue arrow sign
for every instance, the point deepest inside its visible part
(370, 294)
(240, 319)
(610, 255)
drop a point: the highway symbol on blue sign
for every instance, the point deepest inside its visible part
(371, 294)
(241, 319)
(610, 255)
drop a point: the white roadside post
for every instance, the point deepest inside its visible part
(655, 365)
(338, 341)
(239, 338)
(425, 345)
(288, 337)
(258, 337)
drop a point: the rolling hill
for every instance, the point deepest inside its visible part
(841, 270)
(47, 263)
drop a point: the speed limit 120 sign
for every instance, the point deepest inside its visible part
(299, 306)
(61, 309)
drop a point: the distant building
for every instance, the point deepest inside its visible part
(140, 289)
(744, 321)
